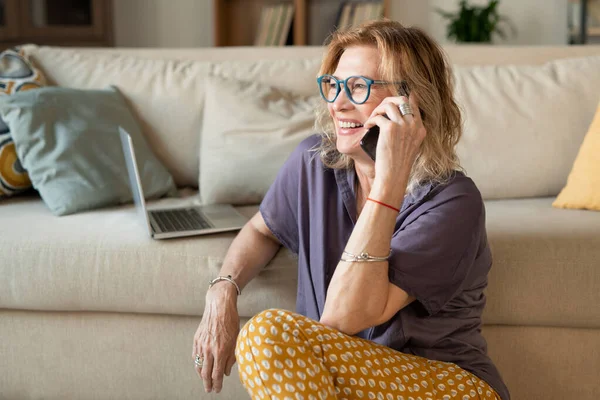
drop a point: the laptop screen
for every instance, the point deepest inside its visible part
(134, 177)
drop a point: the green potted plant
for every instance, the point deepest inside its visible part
(475, 23)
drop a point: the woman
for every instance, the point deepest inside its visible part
(392, 253)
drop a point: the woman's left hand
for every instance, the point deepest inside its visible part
(400, 137)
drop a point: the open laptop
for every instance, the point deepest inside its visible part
(180, 221)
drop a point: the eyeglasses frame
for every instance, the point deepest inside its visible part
(369, 81)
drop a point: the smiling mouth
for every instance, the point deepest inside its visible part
(349, 125)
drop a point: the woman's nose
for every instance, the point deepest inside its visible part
(342, 102)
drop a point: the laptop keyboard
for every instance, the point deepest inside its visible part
(183, 219)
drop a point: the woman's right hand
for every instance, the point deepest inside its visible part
(400, 137)
(216, 336)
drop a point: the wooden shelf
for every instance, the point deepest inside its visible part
(19, 26)
(583, 19)
(593, 31)
(236, 21)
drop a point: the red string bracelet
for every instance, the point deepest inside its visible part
(383, 204)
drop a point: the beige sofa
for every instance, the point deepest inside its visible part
(91, 308)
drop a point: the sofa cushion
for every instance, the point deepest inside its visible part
(524, 124)
(546, 264)
(249, 130)
(104, 260)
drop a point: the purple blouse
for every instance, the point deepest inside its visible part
(440, 255)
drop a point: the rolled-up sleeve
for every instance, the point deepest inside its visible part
(280, 206)
(433, 254)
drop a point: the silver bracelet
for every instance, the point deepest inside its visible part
(227, 278)
(364, 257)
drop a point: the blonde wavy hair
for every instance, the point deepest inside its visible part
(407, 53)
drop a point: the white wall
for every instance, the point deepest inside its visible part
(538, 22)
(163, 23)
(189, 23)
(411, 12)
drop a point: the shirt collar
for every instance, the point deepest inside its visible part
(417, 195)
(344, 180)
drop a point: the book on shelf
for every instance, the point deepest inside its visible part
(345, 16)
(261, 33)
(354, 13)
(360, 13)
(286, 28)
(275, 24)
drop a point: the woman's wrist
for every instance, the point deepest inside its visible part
(223, 291)
(391, 193)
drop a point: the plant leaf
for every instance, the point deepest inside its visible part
(475, 23)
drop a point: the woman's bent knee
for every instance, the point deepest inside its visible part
(265, 328)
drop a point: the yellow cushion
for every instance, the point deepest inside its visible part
(583, 185)
(17, 74)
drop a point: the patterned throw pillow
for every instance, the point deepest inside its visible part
(17, 74)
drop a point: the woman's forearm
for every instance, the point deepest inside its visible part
(358, 291)
(249, 252)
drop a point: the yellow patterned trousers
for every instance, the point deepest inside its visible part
(286, 356)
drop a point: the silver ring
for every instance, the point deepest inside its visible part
(406, 109)
(199, 361)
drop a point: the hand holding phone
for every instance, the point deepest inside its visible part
(369, 140)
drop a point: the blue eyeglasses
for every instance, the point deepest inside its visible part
(358, 88)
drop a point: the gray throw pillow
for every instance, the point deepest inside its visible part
(68, 141)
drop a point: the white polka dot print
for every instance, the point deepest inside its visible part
(290, 388)
(285, 356)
